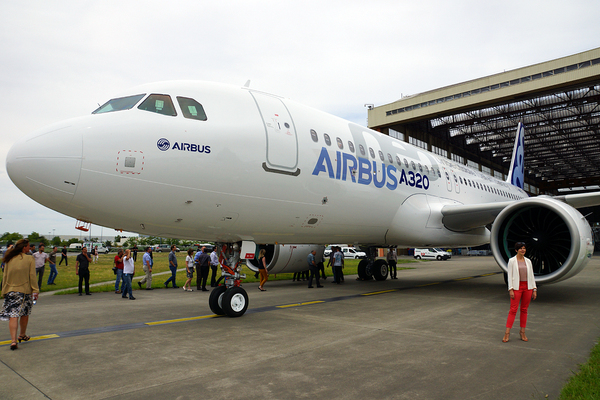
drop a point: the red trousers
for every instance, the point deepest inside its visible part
(523, 296)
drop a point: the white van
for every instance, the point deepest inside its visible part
(101, 248)
(351, 252)
(432, 253)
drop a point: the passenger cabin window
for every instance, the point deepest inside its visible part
(381, 157)
(158, 103)
(372, 152)
(314, 136)
(340, 143)
(362, 149)
(122, 103)
(351, 146)
(327, 139)
(191, 108)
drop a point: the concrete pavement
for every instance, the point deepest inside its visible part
(434, 333)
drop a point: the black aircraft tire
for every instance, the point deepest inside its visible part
(235, 302)
(380, 270)
(362, 270)
(213, 300)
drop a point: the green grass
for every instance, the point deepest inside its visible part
(585, 385)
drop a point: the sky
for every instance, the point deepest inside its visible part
(61, 59)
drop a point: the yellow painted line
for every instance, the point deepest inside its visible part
(171, 321)
(53, 336)
(429, 284)
(289, 305)
(300, 304)
(383, 291)
(490, 274)
(462, 279)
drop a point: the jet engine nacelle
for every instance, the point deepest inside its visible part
(287, 258)
(559, 239)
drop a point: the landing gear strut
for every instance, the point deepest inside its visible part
(229, 298)
(371, 267)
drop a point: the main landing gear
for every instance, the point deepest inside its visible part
(371, 267)
(229, 298)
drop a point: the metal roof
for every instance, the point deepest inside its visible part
(558, 101)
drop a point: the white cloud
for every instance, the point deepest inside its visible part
(60, 58)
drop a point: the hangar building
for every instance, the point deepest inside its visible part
(474, 122)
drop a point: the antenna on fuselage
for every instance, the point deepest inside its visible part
(247, 85)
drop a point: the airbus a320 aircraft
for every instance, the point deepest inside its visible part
(232, 165)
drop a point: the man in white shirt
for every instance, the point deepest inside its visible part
(40, 263)
(214, 264)
(392, 260)
(128, 271)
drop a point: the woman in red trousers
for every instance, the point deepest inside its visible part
(521, 289)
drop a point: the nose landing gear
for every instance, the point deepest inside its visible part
(229, 298)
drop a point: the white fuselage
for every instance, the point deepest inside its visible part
(259, 168)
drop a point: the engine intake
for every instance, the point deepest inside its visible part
(559, 239)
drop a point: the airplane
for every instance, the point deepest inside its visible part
(243, 168)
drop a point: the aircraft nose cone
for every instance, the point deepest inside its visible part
(46, 164)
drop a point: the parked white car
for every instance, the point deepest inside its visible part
(432, 253)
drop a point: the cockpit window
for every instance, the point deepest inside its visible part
(158, 103)
(122, 103)
(191, 108)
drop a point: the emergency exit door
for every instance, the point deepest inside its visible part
(281, 139)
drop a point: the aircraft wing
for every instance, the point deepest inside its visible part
(470, 216)
(581, 200)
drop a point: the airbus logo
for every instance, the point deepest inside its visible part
(163, 144)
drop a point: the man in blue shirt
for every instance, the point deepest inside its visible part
(202, 260)
(338, 264)
(312, 266)
(172, 267)
(148, 262)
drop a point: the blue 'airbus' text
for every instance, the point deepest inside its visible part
(361, 170)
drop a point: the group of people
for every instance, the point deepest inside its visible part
(24, 269)
(202, 262)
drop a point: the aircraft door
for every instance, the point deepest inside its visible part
(448, 179)
(456, 183)
(282, 142)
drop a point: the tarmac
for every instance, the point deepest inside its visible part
(435, 333)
